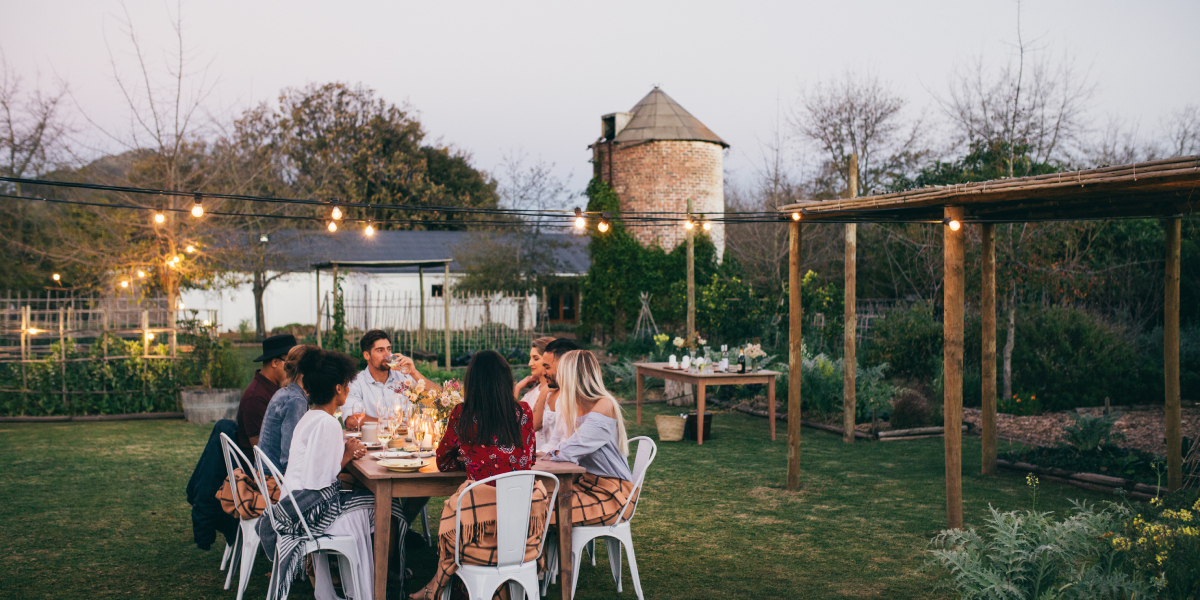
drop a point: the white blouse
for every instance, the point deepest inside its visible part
(315, 457)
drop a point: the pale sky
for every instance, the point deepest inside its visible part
(496, 77)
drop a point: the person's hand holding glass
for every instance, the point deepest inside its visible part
(400, 362)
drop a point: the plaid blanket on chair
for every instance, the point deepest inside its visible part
(284, 543)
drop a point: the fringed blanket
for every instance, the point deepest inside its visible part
(478, 526)
(285, 542)
(597, 500)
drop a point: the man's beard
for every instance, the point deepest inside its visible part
(551, 383)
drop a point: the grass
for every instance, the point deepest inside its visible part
(98, 510)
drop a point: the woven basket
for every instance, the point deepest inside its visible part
(670, 428)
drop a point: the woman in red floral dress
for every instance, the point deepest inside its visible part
(490, 433)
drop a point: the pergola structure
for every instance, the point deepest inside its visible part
(366, 265)
(1164, 189)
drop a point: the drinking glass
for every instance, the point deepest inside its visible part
(385, 430)
(358, 411)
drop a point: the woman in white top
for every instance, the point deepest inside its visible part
(539, 397)
(316, 456)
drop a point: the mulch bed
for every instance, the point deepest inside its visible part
(1143, 429)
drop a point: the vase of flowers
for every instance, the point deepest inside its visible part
(754, 352)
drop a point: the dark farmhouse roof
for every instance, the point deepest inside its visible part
(659, 117)
(305, 248)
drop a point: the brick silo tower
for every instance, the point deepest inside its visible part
(655, 157)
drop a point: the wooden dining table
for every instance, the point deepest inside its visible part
(430, 482)
(699, 382)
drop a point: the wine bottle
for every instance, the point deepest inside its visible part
(741, 361)
(724, 358)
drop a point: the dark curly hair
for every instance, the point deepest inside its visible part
(323, 372)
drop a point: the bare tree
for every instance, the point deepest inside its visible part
(1035, 106)
(1183, 131)
(859, 114)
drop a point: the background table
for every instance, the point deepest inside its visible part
(430, 482)
(699, 382)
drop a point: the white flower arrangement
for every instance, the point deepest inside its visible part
(679, 342)
(754, 351)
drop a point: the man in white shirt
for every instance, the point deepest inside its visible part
(378, 383)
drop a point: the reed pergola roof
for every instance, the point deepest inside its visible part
(1159, 188)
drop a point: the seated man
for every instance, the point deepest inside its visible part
(378, 382)
(258, 394)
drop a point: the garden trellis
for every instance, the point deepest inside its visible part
(1165, 189)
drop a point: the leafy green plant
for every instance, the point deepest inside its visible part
(1087, 432)
(1027, 554)
(1164, 543)
(824, 387)
(1021, 405)
(244, 332)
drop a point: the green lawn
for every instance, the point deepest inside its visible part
(98, 510)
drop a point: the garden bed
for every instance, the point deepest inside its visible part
(1143, 429)
(1090, 481)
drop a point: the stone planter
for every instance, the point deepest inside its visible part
(203, 406)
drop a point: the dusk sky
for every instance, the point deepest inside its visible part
(500, 77)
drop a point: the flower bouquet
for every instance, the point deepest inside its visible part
(754, 352)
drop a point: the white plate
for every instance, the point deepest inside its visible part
(373, 444)
(392, 454)
(424, 454)
(354, 434)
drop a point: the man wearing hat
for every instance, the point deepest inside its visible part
(266, 382)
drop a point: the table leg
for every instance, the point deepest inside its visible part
(699, 413)
(565, 560)
(771, 404)
(641, 386)
(383, 535)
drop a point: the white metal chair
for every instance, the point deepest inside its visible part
(514, 502)
(246, 539)
(343, 545)
(616, 535)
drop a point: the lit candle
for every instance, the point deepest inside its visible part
(673, 362)
(427, 443)
(687, 361)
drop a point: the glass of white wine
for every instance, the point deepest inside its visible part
(394, 361)
(385, 430)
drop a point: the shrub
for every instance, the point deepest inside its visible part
(824, 387)
(1089, 432)
(1025, 554)
(1164, 543)
(1020, 405)
(909, 410)
(909, 339)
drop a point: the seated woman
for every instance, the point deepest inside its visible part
(540, 398)
(596, 441)
(287, 407)
(488, 434)
(315, 457)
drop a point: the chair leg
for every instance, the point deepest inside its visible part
(429, 537)
(591, 550)
(614, 560)
(550, 551)
(576, 558)
(225, 557)
(249, 553)
(516, 591)
(234, 555)
(633, 572)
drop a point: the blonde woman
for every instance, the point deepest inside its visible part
(596, 440)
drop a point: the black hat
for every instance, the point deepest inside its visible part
(276, 346)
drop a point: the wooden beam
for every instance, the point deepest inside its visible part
(850, 320)
(953, 364)
(1171, 359)
(987, 306)
(795, 313)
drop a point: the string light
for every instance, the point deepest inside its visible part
(33, 331)
(124, 284)
(56, 277)
(337, 212)
(190, 249)
(603, 225)
(149, 336)
(161, 218)
(952, 223)
(206, 323)
(708, 225)
(580, 222)
(688, 224)
(141, 274)
(795, 216)
(370, 231)
(197, 208)
(332, 227)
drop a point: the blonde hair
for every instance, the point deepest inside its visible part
(579, 378)
(540, 344)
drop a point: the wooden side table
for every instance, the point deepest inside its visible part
(699, 383)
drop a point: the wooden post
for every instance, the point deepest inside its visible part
(953, 365)
(421, 328)
(691, 279)
(795, 313)
(339, 344)
(446, 305)
(317, 274)
(987, 306)
(62, 352)
(145, 333)
(849, 360)
(1171, 358)
(25, 332)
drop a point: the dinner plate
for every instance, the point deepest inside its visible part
(372, 444)
(392, 454)
(354, 434)
(403, 465)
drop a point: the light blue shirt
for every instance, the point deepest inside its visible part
(285, 410)
(365, 390)
(593, 446)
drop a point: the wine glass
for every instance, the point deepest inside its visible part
(358, 411)
(385, 430)
(394, 361)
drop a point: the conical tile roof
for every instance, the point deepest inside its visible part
(658, 117)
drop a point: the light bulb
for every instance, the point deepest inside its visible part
(955, 225)
(159, 217)
(795, 216)
(141, 274)
(370, 231)
(56, 277)
(688, 224)
(580, 222)
(263, 238)
(332, 227)
(603, 226)
(190, 248)
(149, 336)
(124, 284)
(337, 213)
(179, 304)
(197, 210)
(708, 226)
(33, 331)
(206, 323)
